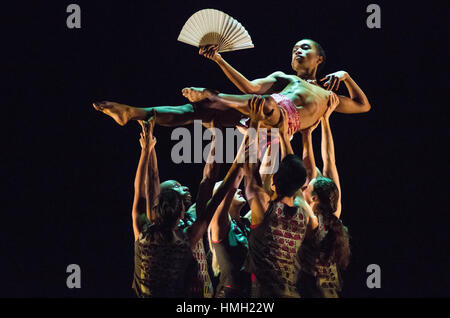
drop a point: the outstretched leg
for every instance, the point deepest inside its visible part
(206, 105)
(237, 102)
(170, 116)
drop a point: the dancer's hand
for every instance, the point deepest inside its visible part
(333, 80)
(213, 123)
(256, 105)
(285, 131)
(332, 104)
(143, 134)
(210, 52)
(151, 123)
(147, 140)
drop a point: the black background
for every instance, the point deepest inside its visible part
(68, 171)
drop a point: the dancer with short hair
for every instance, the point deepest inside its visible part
(279, 223)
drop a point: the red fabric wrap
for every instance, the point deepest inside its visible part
(289, 106)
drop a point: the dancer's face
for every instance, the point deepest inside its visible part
(305, 55)
(308, 194)
(238, 198)
(182, 190)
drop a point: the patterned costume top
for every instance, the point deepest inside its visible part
(203, 286)
(162, 267)
(317, 280)
(273, 249)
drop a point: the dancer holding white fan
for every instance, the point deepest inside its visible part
(300, 95)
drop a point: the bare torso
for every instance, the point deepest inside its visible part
(311, 100)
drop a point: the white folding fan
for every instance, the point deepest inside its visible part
(211, 26)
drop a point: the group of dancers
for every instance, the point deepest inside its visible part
(291, 243)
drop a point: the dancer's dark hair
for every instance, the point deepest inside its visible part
(291, 175)
(335, 246)
(168, 210)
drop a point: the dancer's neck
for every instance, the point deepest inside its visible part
(235, 211)
(289, 201)
(307, 75)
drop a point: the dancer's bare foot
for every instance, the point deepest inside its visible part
(196, 94)
(119, 112)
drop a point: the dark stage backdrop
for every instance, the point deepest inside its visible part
(68, 171)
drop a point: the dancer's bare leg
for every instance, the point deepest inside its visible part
(238, 102)
(166, 115)
(170, 116)
(309, 113)
(206, 104)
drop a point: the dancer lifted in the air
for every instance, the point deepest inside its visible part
(300, 95)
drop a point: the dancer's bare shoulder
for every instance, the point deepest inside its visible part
(278, 74)
(311, 86)
(281, 76)
(273, 83)
(272, 78)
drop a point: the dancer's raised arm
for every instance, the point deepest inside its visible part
(206, 211)
(257, 86)
(210, 174)
(220, 222)
(152, 182)
(286, 134)
(254, 190)
(328, 157)
(357, 101)
(308, 153)
(139, 210)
